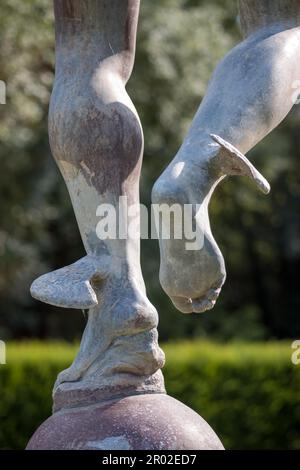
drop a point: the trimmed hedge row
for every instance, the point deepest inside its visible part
(249, 393)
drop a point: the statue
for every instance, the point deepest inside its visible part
(113, 395)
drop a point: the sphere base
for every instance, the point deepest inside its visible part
(139, 422)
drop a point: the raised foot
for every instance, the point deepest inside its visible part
(72, 286)
(193, 278)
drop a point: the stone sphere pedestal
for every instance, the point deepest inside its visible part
(138, 422)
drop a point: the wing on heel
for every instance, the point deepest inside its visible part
(71, 286)
(233, 162)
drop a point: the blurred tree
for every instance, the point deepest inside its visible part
(179, 44)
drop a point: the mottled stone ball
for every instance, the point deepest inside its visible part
(138, 422)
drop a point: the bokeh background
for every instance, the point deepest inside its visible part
(229, 354)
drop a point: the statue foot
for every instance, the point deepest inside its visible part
(192, 275)
(72, 286)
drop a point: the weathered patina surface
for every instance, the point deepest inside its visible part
(97, 141)
(151, 422)
(249, 94)
(112, 396)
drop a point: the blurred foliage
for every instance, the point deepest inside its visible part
(248, 393)
(179, 44)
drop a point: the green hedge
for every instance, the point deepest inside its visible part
(249, 393)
